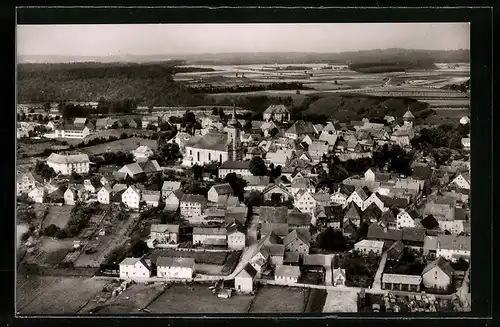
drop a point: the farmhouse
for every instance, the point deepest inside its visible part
(175, 267)
(277, 113)
(453, 247)
(25, 182)
(287, 274)
(218, 190)
(401, 282)
(131, 197)
(37, 194)
(192, 205)
(151, 198)
(143, 152)
(65, 164)
(104, 194)
(210, 236)
(132, 170)
(172, 199)
(236, 236)
(438, 274)
(131, 268)
(366, 246)
(241, 168)
(296, 242)
(244, 280)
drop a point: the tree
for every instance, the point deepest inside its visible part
(273, 132)
(75, 178)
(248, 125)
(258, 166)
(237, 184)
(197, 171)
(51, 230)
(332, 240)
(150, 109)
(42, 169)
(188, 117)
(215, 111)
(256, 199)
(171, 152)
(274, 172)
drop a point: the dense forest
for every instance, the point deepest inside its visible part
(248, 88)
(149, 84)
(387, 67)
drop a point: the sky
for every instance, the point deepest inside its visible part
(145, 39)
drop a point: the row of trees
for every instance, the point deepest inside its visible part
(80, 216)
(248, 88)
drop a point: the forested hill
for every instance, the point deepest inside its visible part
(144, 83)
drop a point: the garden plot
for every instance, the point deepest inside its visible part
(125, 145)
(58, 215)
(341, 301)
(275, 299)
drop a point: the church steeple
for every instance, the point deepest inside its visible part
(234, 120)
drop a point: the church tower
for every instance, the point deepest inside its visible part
(408, 119)
(234, 138)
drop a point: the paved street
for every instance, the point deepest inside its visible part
(378, 276)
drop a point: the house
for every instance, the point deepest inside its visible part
(278, 231)
(210, 236)
(70, 196)
(389, 218)
(466, 143)
(92, 185)
(430, 223)
(328, 137)
(37, 194)
(236, 236)
(149, 166)
(132, 268)
(300, 129)
(438, 274)
(25, 182)
(192, 205)
(276, 254)
(349, 229)
(218, 190)
(256, 183)
(244, 280)
(339, 277)
(65, 164)
(172, 199)
(279, 157)
(273, 214)
(276, 192)
(260, 258)
(291, 259)
(51, 125)
(305, 201)
(299, 220)
(339, 198)
(406, 218)
(165, 233)
(296, 242)
(462, 181)
(151, 198)
(132, 197)
(277, 113)
(371, 214)
(169, 186)
(70, 131)
(402, 137)
(211, 147)
(302, 184)
(377, 232)
(132, 170)
(413, 237)
(453, 247)
(367, 246)
(169, 267)
(287, 274)
(399, 282)
(395, 251)
(329, 216)
(353, 215)
(241, 168)
(104, 194)
(315, 262)
(358, 197)
(430, 246)
(143, 152)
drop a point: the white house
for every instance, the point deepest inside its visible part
(359, 197)
(339, 198)
(375, 198)
(241, 168)
(135, 268)
(244, 280)
(25, 182)
(305, 201)
(212, 147)
(462, 181)
(91, 186)
(37, 194)
(236, 236)
(405, 219)
(466, 143)
(287, 274)
(278, 113)
(453, 247)
(104, 194)
(365, 246)
(169, 267)
(218, 190)
(131, 197)
(192, 205)
(370, 175)
(65, 164)
(464, 120)
(142, 152)
(70, 196)
(151, 198)
(172, 199)
(71, 131)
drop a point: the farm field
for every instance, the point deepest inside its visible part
(275, 299)
(339, 301)
(57, 295)
(107, 133)
(198, 299)
(35, 149)
(58, 215)
(120, 145)
(132, 300)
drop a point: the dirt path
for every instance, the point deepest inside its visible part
(378, 276)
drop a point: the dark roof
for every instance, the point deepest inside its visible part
(235, 165)
(422, 172)
(334, 211)
(314, 260)
(295, 235)
(371, 213)
(223, 188)
(429, 222)
(353, 212)
(413, 234)
(250, 270)
(273, 214)
(377, 232)
(396, 202)
(298, 219)
(443, 264)
(349, 227)
(235, 227)
(460, 214)
(291, 257)
(414, 214)
(275, 249)
(278, 229)
(396, 250)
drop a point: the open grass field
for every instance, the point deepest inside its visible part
(316, 300)
(183, 299)
(109, 132)
(59, 295)
(58, 216)
(35, 149)
(20, 230)
(120, 145)
(132, 300)
(210, 258)
(341, 301)
(276, 299)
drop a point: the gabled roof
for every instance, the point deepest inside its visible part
(131, 169)
(107, 188)
(301, 127)
(293, 235)
(175, 262)
(256, 180)
(68, 159)
(170, 186)
(277, 229)
(413, 234)
(223, 189)
(372, 212)
(299, 219)
(370, 243)
(353, 212)
(209, 231)
(396, 250)
(193, 198)
(377, 232)
(315, 260)
(212, 141)
(287, 271)
(402, 279)
(119, 187)
(408, 114)
(430, 243)
(273, 214)
(442, 264)
(291, 257)
(429, 222)
(276, 108)
(275, 249)
(361, 192)
(149, 195)
(164, 228)
(235, 165)
(454, 242)
(248, 271)
(235, 227)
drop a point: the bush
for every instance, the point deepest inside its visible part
(51, 230)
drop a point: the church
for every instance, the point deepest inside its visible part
(216, 147)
